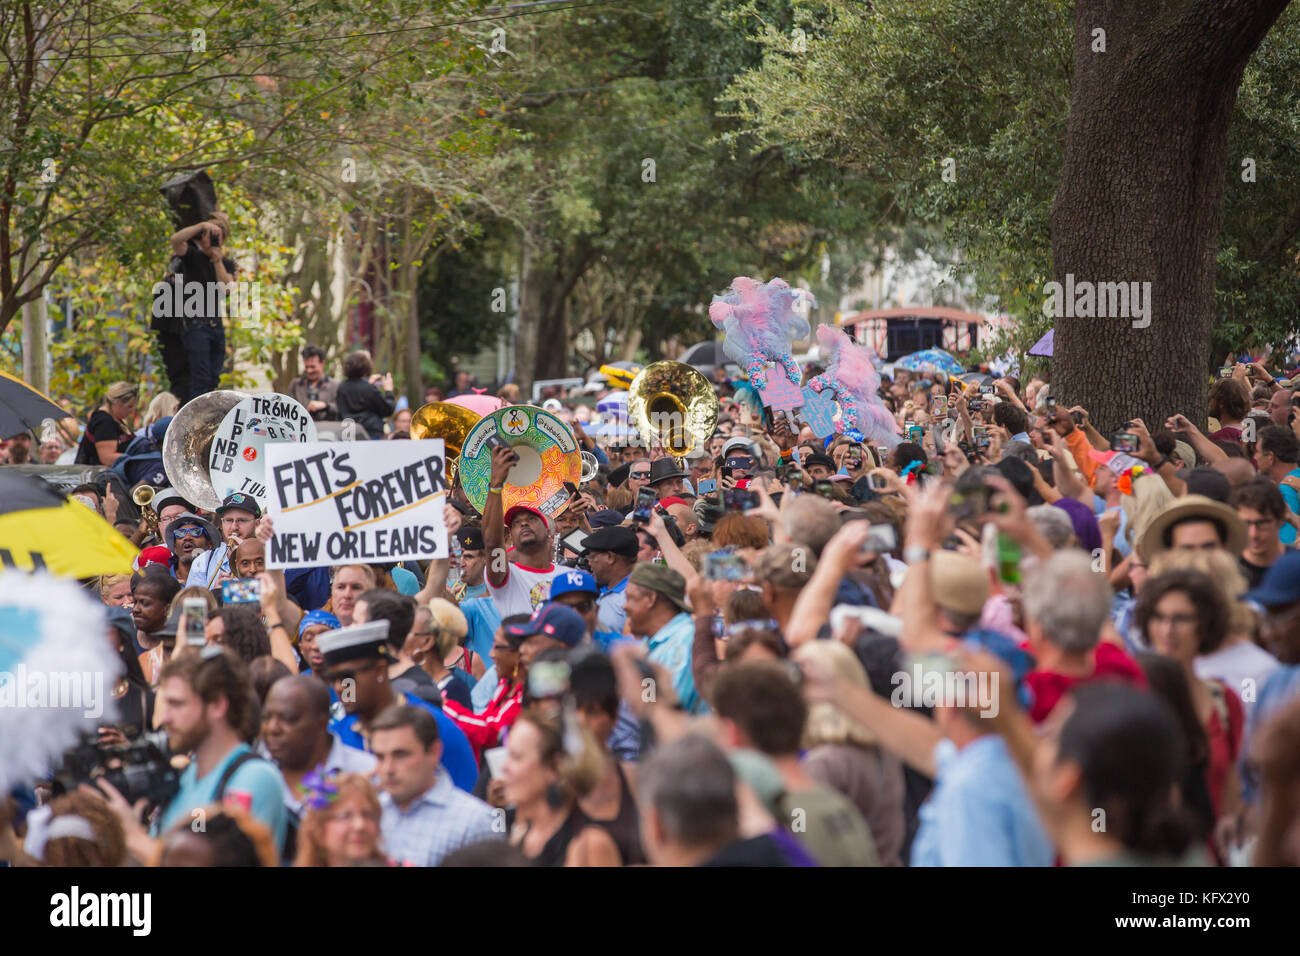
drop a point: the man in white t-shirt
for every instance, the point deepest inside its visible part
(518, 580)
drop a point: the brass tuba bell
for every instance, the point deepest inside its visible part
(674, 404)
(449, 422)
(188, 446)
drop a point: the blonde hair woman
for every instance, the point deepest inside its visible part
(108, 431)
(164, 405)
(544, 783)
(115, 590)
(845, 756)
(434, 646)
(1150, 497)
(341, 824)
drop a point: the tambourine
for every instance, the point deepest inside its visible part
(548, 457)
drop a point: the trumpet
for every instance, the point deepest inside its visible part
(143, 498)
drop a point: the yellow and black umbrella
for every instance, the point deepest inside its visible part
(23, 408)
(40, 529)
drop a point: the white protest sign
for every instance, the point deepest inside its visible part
(237, 461)
(355, 502)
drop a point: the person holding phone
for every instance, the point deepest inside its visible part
(363, 397)
(197, 258)
(521, 583)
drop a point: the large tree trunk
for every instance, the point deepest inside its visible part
(1141, 197)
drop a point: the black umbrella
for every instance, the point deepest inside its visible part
(705, 354)
(22, 408)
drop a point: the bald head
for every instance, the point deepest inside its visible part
(295, 722)
(1237, 470)
(249, 558)
(1279, 406)
(304, 691)
(686, 520)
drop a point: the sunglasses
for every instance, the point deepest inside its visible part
(638, 474)
(189, 531)
(338, 677)
(583, 607)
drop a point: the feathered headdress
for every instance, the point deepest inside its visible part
(761, 320)
(852, 377)
(57, 673)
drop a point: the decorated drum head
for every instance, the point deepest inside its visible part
(548, 457)
(235, 461)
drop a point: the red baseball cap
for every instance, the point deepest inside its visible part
(515, 509)
(155, 555)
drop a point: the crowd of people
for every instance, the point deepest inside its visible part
(1001, 639)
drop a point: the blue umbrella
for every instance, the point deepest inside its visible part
(930, 360)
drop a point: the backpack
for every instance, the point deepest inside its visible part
(141, 461)
(290, 849)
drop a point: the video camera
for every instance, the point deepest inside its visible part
(140, 769)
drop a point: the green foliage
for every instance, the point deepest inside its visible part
(457, 294)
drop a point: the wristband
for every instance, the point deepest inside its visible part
(496, 491)
(272, 627)
(914, 554)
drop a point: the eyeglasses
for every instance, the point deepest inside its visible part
(351, 816)
(1174, 620)
(189, 531)
(338, 677)
(1260, 523)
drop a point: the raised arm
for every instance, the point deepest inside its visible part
(812, 609)
(494, 528)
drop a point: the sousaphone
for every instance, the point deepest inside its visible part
(187, 446)
(673, 404)
(449, 422)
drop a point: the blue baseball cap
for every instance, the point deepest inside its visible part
(1281, 584)
(571, 581)
(557, 621)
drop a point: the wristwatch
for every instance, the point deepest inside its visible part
(914, 554)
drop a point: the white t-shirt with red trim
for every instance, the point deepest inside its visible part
(526, 589)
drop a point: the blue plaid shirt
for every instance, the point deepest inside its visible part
(439, 822)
